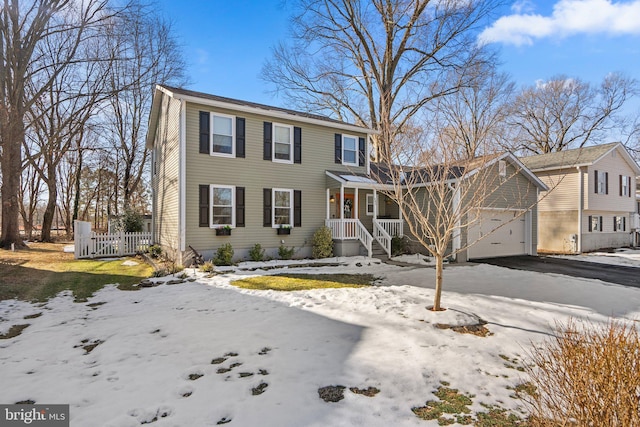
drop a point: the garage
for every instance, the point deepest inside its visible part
(505, 234)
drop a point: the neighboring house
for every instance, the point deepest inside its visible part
(496, 197)
(230, 171)
(591, 198)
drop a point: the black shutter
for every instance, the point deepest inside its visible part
(338, 148)
(596, 176)
(361, 152)
(297, 208)
(267, 141)
(629, 187)
(266, 213)
(600, 220)
(204, 132)
(624, 223)
(615, 228)
(621, 185)
(203, 202)
(240, 207)
(297, 145)
(590, 224)
(240, 137)
(606, 183)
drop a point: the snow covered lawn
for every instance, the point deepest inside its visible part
(205, 352)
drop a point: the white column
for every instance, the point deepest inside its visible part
(375, 204)
(341, 201)
(355, 204)
(328, 202)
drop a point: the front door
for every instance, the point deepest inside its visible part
(349, 207)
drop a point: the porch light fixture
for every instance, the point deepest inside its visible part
(332, 199)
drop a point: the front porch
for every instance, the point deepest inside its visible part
(359, 216)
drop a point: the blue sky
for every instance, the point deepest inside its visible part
(226, 42)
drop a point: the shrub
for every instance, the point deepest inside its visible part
(224, 255)
(285, 252)
(322, 243)
(586, 374)
(256, 253)
(398, 245)
(155, 251)
(207, 267)
(130, 222)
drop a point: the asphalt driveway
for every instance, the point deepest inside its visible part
(621, 275)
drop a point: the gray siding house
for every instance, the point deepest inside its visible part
(230, 171)
(591, 201)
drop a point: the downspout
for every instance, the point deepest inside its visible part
(182, 174)
(580, 207)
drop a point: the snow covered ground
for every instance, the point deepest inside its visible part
(129, 358)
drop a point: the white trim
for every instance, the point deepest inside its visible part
(356, 150)
(273, 143)
(328, 203)
(273, 207)
(267, 112)
(361, 185)
(182, 178)
(212, 115)
(233, 205)
(580, 208)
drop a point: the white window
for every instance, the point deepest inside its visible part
(370, 207)
(282, 211)
(282, 143)
(602, 182)
(619, 223)
(624, 182)
(222, 205)
(349, 150)
(222, 135)
(596, 223)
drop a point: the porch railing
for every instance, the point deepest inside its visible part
(393, 227)
(350, 229)
(381, 235)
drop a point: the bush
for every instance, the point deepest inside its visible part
(322, 243)
(224, 256)
(130, 222)
(207, 267)
(286, 253)
(587, 374)
(398, 245)
(256, 253)
(155, 251)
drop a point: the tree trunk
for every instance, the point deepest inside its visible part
(12, 138)
(438, 294)
(50, 211)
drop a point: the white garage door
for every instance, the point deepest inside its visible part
(504, 235)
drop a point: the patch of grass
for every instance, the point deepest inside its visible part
(42, 271)
(451, 402)
(13, 331)
(302, 282)
(498, 417)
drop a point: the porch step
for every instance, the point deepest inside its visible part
(378, 251)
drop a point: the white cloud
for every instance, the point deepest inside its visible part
(569, 17)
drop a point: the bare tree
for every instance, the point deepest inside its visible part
(30, 198)
(565, 112)
(377, 62)
(471, 120)
(443, 196)
(149, 54)
(24, 27)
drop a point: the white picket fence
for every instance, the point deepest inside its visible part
(98, 245)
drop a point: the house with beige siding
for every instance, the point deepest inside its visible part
(591, 201)
(237, 172)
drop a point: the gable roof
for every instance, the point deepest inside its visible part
(425, 175)
(585, 156)
(242, 106)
